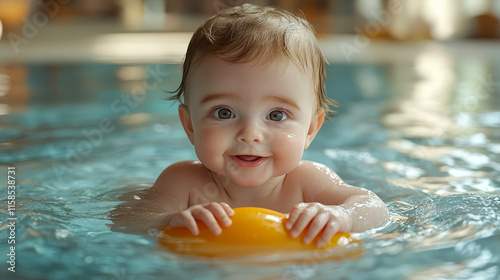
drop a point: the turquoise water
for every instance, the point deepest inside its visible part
(84, 138)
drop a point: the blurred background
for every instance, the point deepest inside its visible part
(159, 30)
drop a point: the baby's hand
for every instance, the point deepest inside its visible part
(208, 213)
(329, 219)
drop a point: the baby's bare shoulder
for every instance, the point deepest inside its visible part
(315, 180)
(321, 184)
(184, 168)
(310, 171)
(181, 176)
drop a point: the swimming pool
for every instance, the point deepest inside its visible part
(423, 135)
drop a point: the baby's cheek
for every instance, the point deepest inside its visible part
(291, 142)
(289, 149)
(208, 146)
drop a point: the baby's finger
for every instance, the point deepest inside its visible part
(317, 224)
(190, 222)
(331, 228)
(220, 213)
(294, 215)
(304, 219)
(208, 218)
(227, 208)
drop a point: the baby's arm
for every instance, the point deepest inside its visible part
(168, 202)
(331, 206)
(154, 208)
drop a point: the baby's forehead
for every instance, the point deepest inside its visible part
(216, 76)
(217, 66)
(276, 65)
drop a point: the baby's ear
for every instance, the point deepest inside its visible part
(316, 123)
(186, 122)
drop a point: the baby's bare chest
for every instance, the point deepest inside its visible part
(281, 200)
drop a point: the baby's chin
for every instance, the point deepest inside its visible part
(231, 174)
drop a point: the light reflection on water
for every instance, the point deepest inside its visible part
(424, 137)
(422, 109)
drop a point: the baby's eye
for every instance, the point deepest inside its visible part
(277, 116)
(223, 113)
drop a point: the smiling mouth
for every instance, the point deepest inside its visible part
(248, 158)
(248, 161)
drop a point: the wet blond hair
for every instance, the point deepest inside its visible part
(248, 32)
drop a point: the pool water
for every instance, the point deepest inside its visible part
(83, 138)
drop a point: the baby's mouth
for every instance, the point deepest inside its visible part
(248, 158)
(248, 161)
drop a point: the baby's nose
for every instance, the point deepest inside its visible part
(250, 132)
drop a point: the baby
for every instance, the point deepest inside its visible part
(252, 100)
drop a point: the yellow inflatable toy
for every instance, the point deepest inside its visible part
(253, 231)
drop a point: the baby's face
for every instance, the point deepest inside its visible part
(250, 122)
